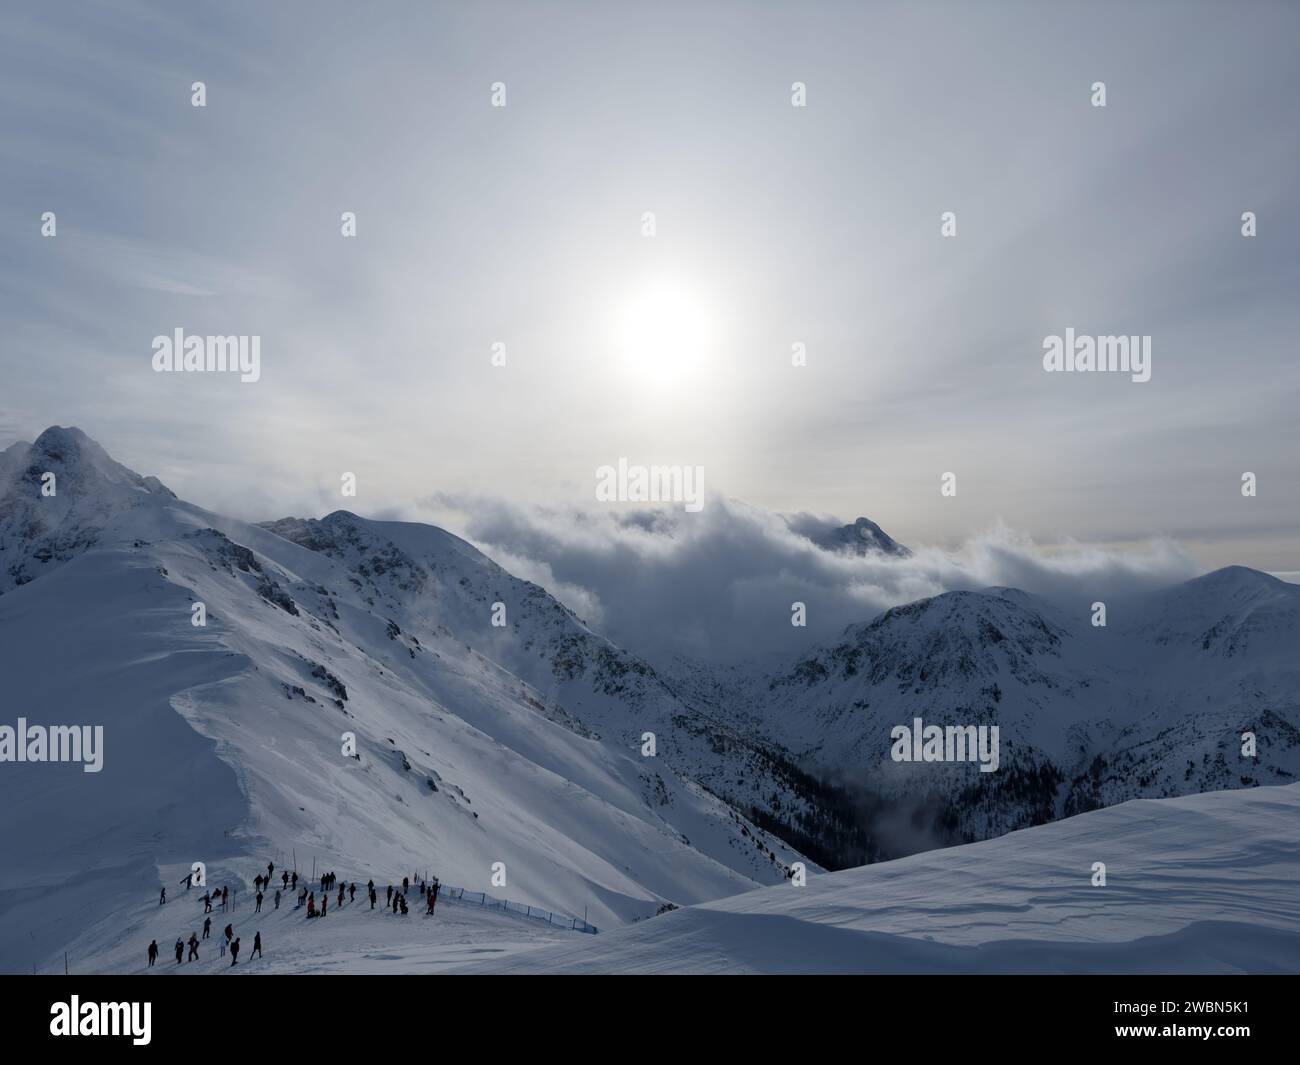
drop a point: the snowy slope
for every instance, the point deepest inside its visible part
(1152, 705)
(1205, 883)
(521, 744)
(223, 744)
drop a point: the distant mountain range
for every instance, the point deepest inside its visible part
(494, 725)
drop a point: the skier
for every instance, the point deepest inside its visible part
(270, 871)
(188, 879)
(225, 897)
(162, 896)
(194, 947)
(234, 952)
(258, 907)
(180, 950)
(406, 884)
(324, 903)
(284, 879)
(433, 893)
(302, 897)
(352, 892)
(295, 879)
(221, 943)
(373, 896)
(404, 909)
(390, 893)
(257, 883)
(207, 927)
(311, 908)
(230, 931)
(340, 894)
(257, 946)
(153, 953)
(277, 899)
(370, 885)
(207, 902)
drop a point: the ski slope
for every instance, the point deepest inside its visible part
(1200, 884)
(1203, 883)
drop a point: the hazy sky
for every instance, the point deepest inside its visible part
(775, 225)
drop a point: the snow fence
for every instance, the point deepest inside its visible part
(518, 909)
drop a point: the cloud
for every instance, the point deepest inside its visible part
(719, 585)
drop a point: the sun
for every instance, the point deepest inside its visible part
(665, 334)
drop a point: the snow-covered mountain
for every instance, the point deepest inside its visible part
(1153, 704)
(860, 537)
(492, 725)
(1203, 884)
(224, 743)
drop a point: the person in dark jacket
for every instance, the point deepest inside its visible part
(180, 950)
(352, 892)
(162, 896)
(390, 893)
(207, 902)
(225, 898)
(234, 952)
(194, 947)
(277, 899)
(153, 953)
(207, 927)
(284, 879)
(373, 897)
(295, 879)
(257, 947)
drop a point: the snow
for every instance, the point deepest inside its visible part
(224, 744)
(522, 745)
(1204, 883)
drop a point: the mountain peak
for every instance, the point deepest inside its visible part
(80, 464)
(861, 537)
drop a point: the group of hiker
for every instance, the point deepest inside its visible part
(229, 942)
(396, 900)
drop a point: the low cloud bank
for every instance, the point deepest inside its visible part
(718, 585)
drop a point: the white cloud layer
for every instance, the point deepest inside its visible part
(719, 584)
